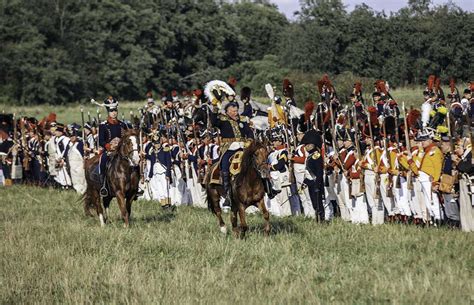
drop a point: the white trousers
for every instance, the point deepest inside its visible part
(78, 177)
(343, 200)
(303, 192)
(375, 205)
(401, 196)
(280, 205)
(431, 199)
(417, 203)
(388, 202)
(466, 207)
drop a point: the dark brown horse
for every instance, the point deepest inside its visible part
(247, 188)
(122, 178)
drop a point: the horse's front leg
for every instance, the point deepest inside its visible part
(243, 222)
(214, 198)
(233, 220)
(123, 209)
(128, 205)
(266, 216)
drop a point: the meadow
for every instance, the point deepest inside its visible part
(52, 253)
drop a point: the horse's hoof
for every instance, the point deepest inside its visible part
(223, 229)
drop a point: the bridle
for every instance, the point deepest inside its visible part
(261, 169)
(129, 154)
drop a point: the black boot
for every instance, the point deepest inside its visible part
(103, 186)
(226, 186)
(271, 193)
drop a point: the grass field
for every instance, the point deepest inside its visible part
(412, 96)
(51, 253)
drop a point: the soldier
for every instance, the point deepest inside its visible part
(76, 159)
(429, 174)
(446, 187)
(33, 152)
(299, 163)
(234, 131)
(62, 150)
(314, 177)
(159, 175)
(463, 159)
(110, 133)
(278, 159)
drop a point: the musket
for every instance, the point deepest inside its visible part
(83, 123)
(140, 134)
(132, 119)
(98, 126)
(24, 144)
(14, 151)
(89, 117)
(374, 158)
(333, 125)
(387, 153)
(407, 140)
(397, 139)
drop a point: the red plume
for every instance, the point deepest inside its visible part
(232, 81)
(149, 94)
(431, 81)
(412, 118)
(471, 85)
(320, 86)
(325, 81)
(308, 110)
(380, 86)
(357, 88)
(373, 115)
(197, 92)
(452, 85)
(437, 83)
(51, 117)
(174, 93)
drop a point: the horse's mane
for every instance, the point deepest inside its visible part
(247, 157)
(128, 133)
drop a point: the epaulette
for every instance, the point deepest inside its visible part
(223, 117)
(316, 155)
(166, 148)
(244, 119)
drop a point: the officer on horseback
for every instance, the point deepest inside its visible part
(110, 133)
(235, 131)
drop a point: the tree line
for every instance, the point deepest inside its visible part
(59, 51)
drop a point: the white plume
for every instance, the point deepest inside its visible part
(219, 86)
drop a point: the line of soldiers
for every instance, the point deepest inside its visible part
(364, 161)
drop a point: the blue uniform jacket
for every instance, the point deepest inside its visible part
(164, 157)
(109, 130)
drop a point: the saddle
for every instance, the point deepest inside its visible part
(235, 165)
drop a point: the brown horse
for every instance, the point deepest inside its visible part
(247, 188)
(122, 177)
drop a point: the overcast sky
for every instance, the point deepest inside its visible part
(289, 6)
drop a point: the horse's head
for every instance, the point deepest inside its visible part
(129, 148)
(257, 154)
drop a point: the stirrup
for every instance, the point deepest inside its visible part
(226, 201)
(103, 191)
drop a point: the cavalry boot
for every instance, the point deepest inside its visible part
(271, 193)
(226, 185)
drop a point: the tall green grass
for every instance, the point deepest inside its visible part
(51, 253)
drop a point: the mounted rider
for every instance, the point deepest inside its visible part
(234, 129)
(110, 134)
